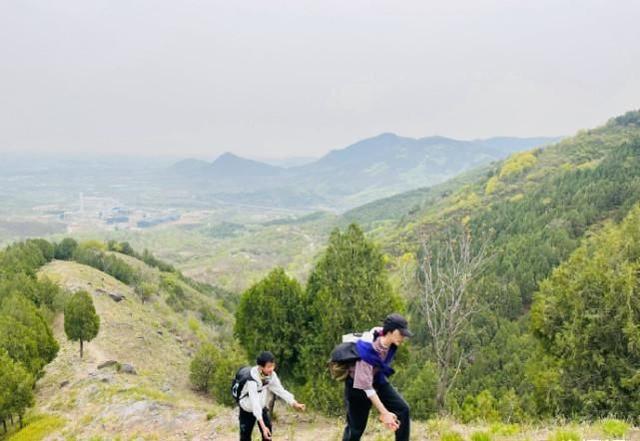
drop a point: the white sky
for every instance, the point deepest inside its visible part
(275, 78)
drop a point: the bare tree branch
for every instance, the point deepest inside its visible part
(446, 306)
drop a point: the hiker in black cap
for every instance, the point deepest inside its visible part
(367, 383)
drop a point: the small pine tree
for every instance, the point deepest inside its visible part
(270, 316)
(348, 291)
(81, 323)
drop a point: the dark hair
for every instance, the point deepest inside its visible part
(264, 358)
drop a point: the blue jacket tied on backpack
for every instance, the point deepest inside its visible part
(369, 355)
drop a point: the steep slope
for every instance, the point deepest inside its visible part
(393, 209)
(82, 399)
(157, 342)
(519, 181)
(506, 145)
(531, 212)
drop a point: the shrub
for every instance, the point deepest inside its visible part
(614, 428)
(565, 435)
(481, 436)
(451, 436)
(502, 429)
(212, 370)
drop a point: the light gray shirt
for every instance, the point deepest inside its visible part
(256, 393)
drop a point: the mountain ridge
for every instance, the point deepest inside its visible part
(371, 168)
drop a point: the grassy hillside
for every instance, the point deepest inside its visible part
(389, 211)
(78, 401)
(151, 337)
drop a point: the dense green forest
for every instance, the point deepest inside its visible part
(509, 234)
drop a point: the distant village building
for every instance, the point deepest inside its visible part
(147, 223)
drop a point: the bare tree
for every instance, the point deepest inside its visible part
(444, 271)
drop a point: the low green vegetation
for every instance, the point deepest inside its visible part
(565, 435)
(213, 368)
(451, 436)
(614, 428)
(481, 436)
(38, 428)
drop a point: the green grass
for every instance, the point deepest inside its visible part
(438, 425)
(38, 428)
(451, 436)
(565, 435)
(502, 429)
(614, 428)
(481, 436)
(135, 393)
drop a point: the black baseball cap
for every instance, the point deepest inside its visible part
(396, 321)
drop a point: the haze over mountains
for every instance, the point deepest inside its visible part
(367, 170)
(84, 192)
(541, 211)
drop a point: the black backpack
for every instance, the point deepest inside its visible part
(242, 376)
(343, 357)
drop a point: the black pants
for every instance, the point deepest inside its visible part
(247, 421)
(358, 406)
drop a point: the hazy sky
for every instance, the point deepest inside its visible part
(297, 78)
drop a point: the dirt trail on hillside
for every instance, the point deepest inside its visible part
(155, 403)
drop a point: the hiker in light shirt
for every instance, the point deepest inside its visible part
(256, 394)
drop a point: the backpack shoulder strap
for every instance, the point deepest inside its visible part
(242, 377)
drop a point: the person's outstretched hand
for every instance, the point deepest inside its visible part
(299, 406)
(390, 420)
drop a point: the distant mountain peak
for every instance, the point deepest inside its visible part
(228, 156)
(437, 138)
(229, 164)
(386, 135)
(190, 166)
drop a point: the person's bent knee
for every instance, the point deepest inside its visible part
(403, 411)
